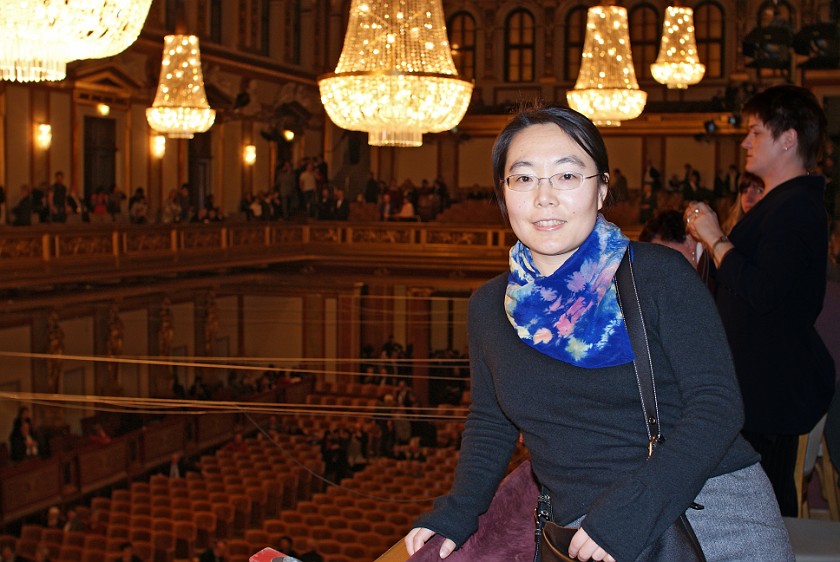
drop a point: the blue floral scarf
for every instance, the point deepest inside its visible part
(573, 314)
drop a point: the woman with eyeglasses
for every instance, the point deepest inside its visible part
(770, 281)
(750, 192)
(551, 360)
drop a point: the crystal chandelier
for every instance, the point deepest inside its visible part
(606, 90)
(678, 65)
(39, 37)
(180, 108)
(395, 78)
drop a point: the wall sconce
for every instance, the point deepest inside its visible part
(289, 135)
(43, 136)
(158, 146)
(249, 154)
(103, 109)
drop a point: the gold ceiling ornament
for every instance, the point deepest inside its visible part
(180, 108)
(606, 90)
(395, 78)
(678, 65)
(39, 37)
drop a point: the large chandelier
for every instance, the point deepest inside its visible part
(395, 78)
(39, 37)
(678, 65)
(180, 108)
(606, 90)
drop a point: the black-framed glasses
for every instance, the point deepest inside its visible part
(562, 181)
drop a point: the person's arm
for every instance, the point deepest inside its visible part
(787, 248)
(488, 442)
(681, 322)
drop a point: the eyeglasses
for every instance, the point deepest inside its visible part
(563, 181)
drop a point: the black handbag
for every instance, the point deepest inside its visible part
(678, 542)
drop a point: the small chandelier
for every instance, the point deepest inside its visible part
(39, 37)
(678, 65)
(180, 108)
(606, 90)
(395, 78)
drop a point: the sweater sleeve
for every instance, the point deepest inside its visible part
(681, 318)
(488, 442)
(785, 250)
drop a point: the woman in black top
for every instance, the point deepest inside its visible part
(771, 274)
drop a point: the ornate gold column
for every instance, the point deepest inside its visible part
(418, 335)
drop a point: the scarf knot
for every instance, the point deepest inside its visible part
(573, 314)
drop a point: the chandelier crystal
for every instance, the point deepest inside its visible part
(678, 65)
(395, 78)
(180, 108)
(39, 37)
(606, 90)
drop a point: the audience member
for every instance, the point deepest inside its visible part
(76, 205)
(42, 553)
(308, 183)
(58, 199)
(668, 229)
(127, 553)
(309, 551)
(618, 186)
(216, 553)
(54, 518)
(74, 523)
(647, 204)
(24, 439)
(750, 191)
(99, 205)
(7, 554)
(23, 209)
(286, 546)
(98, 435)
(341, 206)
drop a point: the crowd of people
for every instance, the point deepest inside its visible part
(723, 194)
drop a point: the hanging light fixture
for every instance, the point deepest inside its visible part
(606, 90)
(678, 65)
(395, 78)
(180, 108)
(39, 37)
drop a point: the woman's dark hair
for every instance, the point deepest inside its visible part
(576, 125)
(786, 107)
(668, 225)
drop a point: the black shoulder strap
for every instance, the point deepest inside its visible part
(628, 300)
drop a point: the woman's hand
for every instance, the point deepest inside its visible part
(702, 224)
(418, 536)
(584, 548)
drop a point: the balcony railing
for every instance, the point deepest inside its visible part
(36, 255)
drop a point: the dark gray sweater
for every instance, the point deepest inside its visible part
(584, 427)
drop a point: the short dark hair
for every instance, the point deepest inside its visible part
(668, 225)
(576, 125)
(785, 107)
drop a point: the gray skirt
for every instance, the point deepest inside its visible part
(740, 519)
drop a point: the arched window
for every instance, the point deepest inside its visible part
(519, 46)
(573, 42)
(772, 12)
(645, 32)
(461, 28)
(709, 32)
